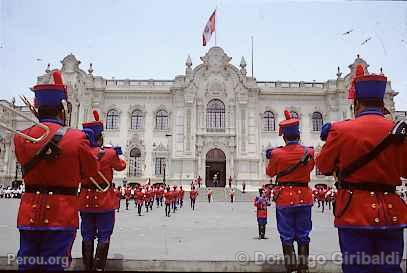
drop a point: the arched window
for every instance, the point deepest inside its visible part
(294, 114)
(269, 122)
(317, 121)
(135, 163)
(161, 120)
(112, 120)
(215, 118)
(137, 119)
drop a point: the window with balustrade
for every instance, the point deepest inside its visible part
(317, 121)
(269, 122)
(160, 164)
(135, 163)
(215, 115)
(112, 120)
(137, 120)
(161, 120)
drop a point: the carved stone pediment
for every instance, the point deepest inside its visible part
(70, 64)
(216, 60)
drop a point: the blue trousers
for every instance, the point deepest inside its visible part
(371, 251)
(294, 224)
(97, 225)
(45, 250)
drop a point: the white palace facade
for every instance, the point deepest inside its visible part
(213, 119)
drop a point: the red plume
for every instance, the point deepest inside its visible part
(359, 71)
(287, 114)
(96, 115)
(57, 77)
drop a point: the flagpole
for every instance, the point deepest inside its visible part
(216, 19)
(252, 57)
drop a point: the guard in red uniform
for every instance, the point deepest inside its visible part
(52, 170)
(168, 199)
(192, 195)
(368, 155)
(139, 198)
(174, 198)
(292, 165)
(181, 196)
(97, 200)
(127, 196)
(261, 203)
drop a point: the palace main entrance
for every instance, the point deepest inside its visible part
(215, 168)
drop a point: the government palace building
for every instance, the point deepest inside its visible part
(214, 119)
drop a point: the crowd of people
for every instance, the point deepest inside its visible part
(169, 197)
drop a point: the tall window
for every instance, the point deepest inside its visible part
(112, 120)
(294, 114)
(215, 115)
(269, 122)
(317, 121)
(159, 166)
(135, 163)
(136, 120)
(161, 120)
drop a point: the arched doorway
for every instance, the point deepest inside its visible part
(215, 168)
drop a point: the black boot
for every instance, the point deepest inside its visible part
(263, 231)
(87, 255)
(260, 232)
(101, 256)
(290, 259)
(303, 253)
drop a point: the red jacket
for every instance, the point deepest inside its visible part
(347, 141)
(193, 194)
(139, 197)
(91, 200)
(281, 159)
(181, 194)
(168, 197)
(261, 204)
(76, 161)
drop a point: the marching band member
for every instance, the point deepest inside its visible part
(292, 165)
(98, 200)
(368, 155)
(52, 170)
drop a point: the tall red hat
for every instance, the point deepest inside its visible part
(50, 95)
(96, 126)
(367, 87)
(289, 126)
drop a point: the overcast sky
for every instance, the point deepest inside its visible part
(152, 39)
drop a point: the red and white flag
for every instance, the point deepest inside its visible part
(209, 29)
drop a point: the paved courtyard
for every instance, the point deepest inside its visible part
(213, 232)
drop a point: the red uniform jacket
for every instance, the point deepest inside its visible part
(181, 194)
(91, 200)
(160, 192)
(281, 159)
(261, 204)
(139, 196)
(168, 197)
(127, 193)
(193, 194)
(347, 141)
(76, 161)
